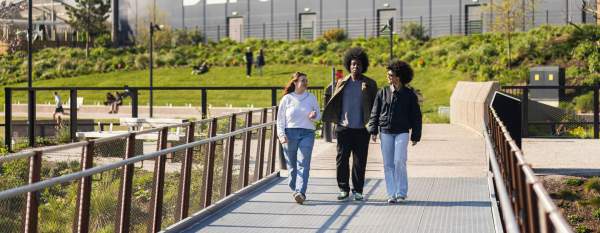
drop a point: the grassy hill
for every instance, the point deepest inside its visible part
(435, 85)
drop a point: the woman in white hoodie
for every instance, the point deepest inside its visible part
(298, 110)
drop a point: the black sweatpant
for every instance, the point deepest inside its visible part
(355, 141)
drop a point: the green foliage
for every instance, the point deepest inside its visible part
(335, 35)
(568, 195)
(585, 102)
(596, 214)
(582, 229)
(574, 219)
(103, 41)
(88, 16)
(592, 185)
(573, 181)
(414, 31)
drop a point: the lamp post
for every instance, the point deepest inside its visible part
(390, 26)
(153, 27)
(31, 93)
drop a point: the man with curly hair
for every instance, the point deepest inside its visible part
(350, 108)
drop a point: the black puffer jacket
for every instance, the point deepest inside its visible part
(396, 112)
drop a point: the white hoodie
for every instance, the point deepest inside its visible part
(293, 112)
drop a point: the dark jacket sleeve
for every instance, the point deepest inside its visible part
(373, 125)
(416, 119)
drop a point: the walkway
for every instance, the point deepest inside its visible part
(448, 193)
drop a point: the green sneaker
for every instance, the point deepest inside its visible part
(343, 195)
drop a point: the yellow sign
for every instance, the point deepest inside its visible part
(550, 77)
(537, 77)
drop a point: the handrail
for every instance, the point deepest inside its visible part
(123, 220)
(92, 171)
(526, 192)
(508, 215)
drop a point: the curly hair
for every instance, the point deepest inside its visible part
(359, 54)
(402, 70)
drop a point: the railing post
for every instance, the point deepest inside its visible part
(288, 30)
(524, 112)
(273, 143)
(273, 96)
(30, 224)
(244, 165)
(533, 221)
(8, 118)
(84, 192)
(204, 104)
(451, 32)
(159, 182)
(228, 159)
(73, 114)
(31, 116)
(209, 165)
(596, 111)
(218, 32)
(122, 224)
(186, 175)
(134, 102)
(260, 152)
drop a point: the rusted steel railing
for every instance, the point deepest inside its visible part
(524, 202)
(123, 221)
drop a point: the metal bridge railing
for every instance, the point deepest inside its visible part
(524, 202)
(218, 157)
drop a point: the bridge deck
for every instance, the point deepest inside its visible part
(448, 192)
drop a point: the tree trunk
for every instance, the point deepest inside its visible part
(87, 44)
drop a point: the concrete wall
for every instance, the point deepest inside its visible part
(469, 102)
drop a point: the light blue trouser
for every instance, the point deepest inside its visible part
(394, 151)
(298, 151)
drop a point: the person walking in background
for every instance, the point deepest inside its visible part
(350, 107)
(260, 61)
(298, 111)
(395, 112)
(110, 99)
(249, 61)
(58, 111)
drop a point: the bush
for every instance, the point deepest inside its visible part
(573, 181)
(585, 103)
(336, 34)
(592, 185)
(413, 31)
(103, 41)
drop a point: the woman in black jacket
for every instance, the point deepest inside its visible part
(395, 113)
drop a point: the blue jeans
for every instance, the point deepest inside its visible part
(394, 151)
(298, 151)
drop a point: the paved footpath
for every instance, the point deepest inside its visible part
(448, 192)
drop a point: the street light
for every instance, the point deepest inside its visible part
(153, 27)
(390, 26)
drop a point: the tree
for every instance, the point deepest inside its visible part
(90, 17)
(510, 15)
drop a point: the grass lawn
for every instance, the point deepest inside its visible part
(434, 84)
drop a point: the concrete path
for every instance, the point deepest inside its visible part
(448, 192)
(563, 156)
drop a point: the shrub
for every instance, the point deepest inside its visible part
(104, 41)
(592, 185)
(573, 181)
(585, 103)
(574, 219)
(413, 31)
(582, 229)
(336, 34)
(596, 214)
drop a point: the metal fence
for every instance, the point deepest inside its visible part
(434, 26)
(138, 96)
(525, 204)
(573, 113)
(215, 158)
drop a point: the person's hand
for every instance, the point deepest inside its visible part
(312, 115)
(283, 140)
(373, 137)
(414, 143)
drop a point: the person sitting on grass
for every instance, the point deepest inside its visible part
(200, 69)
